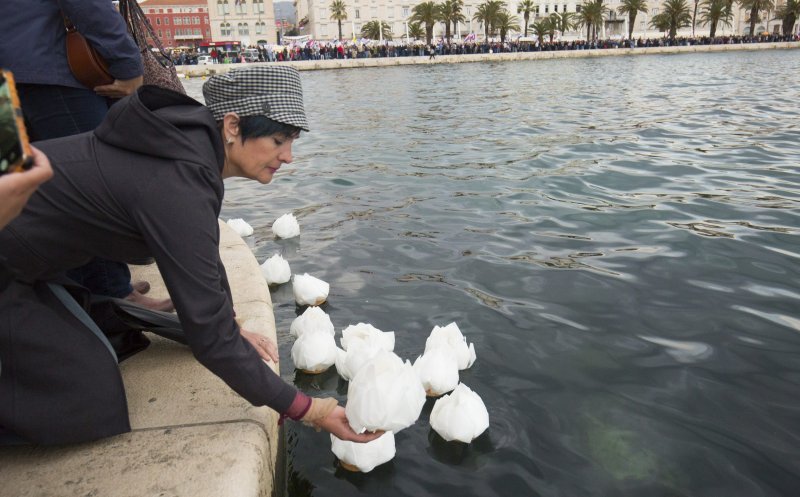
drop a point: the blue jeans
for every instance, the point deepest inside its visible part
(53, 111)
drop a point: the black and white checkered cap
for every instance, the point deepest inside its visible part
(271, 91)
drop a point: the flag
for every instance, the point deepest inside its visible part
(470, 37)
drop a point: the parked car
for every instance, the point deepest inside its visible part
(251, 55)
(204, 60)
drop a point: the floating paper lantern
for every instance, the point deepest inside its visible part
(240, 226)
(314, 352)
(385, 394)
(286, 226)
(312, 319)
(437, 369)
(309, 290)
(276, 270)
(364, 457)
(364, 331)
(450, 336)
(461, 415)
(359, 352)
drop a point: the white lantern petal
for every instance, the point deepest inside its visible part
(309, 290)
(461, 415)
(364, 457)
(276, 270)
(286, 226)
(314, 352)
(312, 319)
(240, 226)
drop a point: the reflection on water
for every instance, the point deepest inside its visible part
(618, 237)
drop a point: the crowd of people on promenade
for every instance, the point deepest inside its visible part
(361, 49)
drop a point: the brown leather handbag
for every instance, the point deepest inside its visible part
(86, 64)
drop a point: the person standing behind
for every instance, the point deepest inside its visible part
(55, 104)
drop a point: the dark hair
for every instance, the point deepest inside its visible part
(258, 126)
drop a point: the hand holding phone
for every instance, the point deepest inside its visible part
(15, 189)
(15, 152)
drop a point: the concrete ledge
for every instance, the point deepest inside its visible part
(192, 435)
(313, 65)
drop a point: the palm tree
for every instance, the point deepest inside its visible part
(591, 16)
(562, 22)
(525, 7)
(375, 29)
(541, 29)
(755, 6)
(674, 15)
(426, 13)
(487, 14)
(415, 31)
(713, 12)
(451, 13)
(339, 13)
(788, 13)
(632, 8)
(506, 22)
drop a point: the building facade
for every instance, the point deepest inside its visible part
(249, 22)
(397, 12)
(179, 23)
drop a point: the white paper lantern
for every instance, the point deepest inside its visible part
(385, 394)
(240, 226)
(364, 331)
(364, 457)
(461, 415)
(437, 369)
(450, 336)
(314, 352)
(349, 362)
(286, 226)
(309, 290)
(276, 270)
(312, 319)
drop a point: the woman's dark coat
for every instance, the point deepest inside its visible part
(146, 183)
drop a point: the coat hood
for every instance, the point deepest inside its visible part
(161, 123)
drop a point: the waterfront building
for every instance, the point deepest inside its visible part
(178, 23)
(315, 15)
(247, 22)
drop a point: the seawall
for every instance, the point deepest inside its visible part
(313, 65)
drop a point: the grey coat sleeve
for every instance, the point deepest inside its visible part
(176, 213)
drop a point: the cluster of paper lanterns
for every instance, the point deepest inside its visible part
(384, 392)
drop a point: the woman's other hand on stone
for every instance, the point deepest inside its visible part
(265, 347)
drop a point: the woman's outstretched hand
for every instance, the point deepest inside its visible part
(336, 424)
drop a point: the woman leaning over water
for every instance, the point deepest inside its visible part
(148, 182)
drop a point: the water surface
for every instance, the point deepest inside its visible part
(617, 236)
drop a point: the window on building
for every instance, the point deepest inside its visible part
(208, 33)
(178, 21)
(220, 7)
(158, 21)
(577, 8)
(258, 28)
(374, 12)
(243, 28)
(323, 13)
(241, 7)
(159, 33)
(169, 35)
(205, 19)
(166, 20)
(555, 8)
(225, 29)
(197, 31)
(564, 8)
(655, 12)
(187, 20)
(258, 6)
(151, 11)
(390, 8)
(537, 10)
(406, 11)
(358, 14)
(195, 20)
(546, 9)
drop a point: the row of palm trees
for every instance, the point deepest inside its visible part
(496, 19)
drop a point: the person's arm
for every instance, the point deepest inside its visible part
(105, 29)
(16, 188)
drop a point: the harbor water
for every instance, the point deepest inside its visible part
(618, 237)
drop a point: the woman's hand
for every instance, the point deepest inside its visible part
(16, 188)
(265, 347)
(336, 424)
(119, 88)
